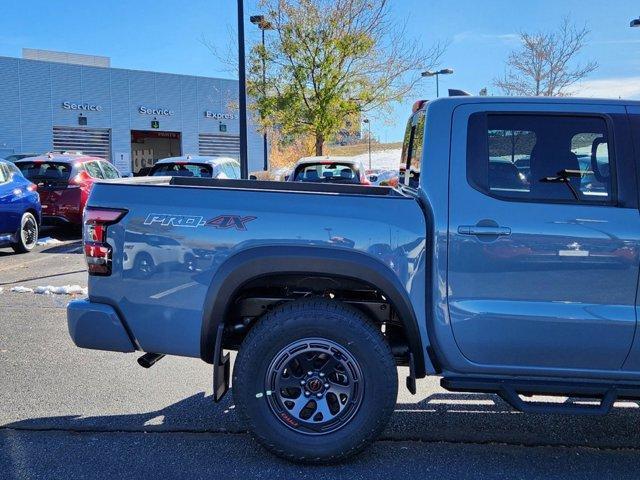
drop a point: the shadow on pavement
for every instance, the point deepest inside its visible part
(450, 417)
(197, 413)
(72, 247)
(61, 233)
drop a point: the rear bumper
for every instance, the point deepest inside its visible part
(59, 221)
(97, 326)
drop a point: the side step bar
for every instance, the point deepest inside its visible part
(510, 390)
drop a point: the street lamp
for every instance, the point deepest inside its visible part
(635, 22)
(444, 71)
(242, 94)
(366, 120)
(263, 24)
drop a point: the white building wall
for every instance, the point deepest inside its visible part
(32, 94)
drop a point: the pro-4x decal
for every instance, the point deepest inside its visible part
(230, 221)
(192, 221)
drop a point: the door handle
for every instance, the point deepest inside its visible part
(483, 230)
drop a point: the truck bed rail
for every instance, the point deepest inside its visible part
(284, 186)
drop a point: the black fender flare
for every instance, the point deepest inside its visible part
(256, 262)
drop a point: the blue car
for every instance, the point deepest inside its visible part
(19, 209)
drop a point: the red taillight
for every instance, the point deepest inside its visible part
(81, 178)
(97, 251)
(32, 187)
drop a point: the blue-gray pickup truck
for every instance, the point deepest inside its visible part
(507, 261)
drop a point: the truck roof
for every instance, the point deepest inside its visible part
(459, 100)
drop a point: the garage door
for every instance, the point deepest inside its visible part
(90, 141)
(219, 145)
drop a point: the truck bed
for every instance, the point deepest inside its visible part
(188, 229)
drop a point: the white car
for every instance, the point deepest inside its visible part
(197, 166)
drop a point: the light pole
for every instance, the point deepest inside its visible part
(366, 120)
(635, 22)
(263, 24)
(242, 94)
(444, 71)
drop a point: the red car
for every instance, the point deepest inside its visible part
(64, 181)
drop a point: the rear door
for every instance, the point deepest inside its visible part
(543, 232)
(9, 206)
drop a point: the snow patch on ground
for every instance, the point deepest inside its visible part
(383, 159)
(22, 289)
(48, 241)
(51, 290)
(64, 290)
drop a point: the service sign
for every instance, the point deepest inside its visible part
(89, 107)
(144, 110)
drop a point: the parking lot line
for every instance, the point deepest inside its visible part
(39, 259)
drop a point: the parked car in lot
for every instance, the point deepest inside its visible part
(471, 270)
(19, 209)
(196, 166)
(328, 169)
(64, 182)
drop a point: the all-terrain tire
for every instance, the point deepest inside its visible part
(347, 328)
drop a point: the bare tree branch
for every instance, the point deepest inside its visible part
(545, 64)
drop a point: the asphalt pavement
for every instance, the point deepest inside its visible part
(72, 413)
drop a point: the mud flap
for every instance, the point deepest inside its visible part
(221, 368)
(411, 379)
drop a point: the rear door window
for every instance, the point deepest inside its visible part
(231, 170)
(93, 169)
(110, 172)
(545, 158)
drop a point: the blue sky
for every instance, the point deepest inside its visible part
(164, 35)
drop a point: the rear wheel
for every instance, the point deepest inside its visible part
(27, 236)
(315, 381)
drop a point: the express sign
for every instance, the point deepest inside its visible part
(154, 111)
(219, 116)
(81, 106)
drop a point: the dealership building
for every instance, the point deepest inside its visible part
(54, 101)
